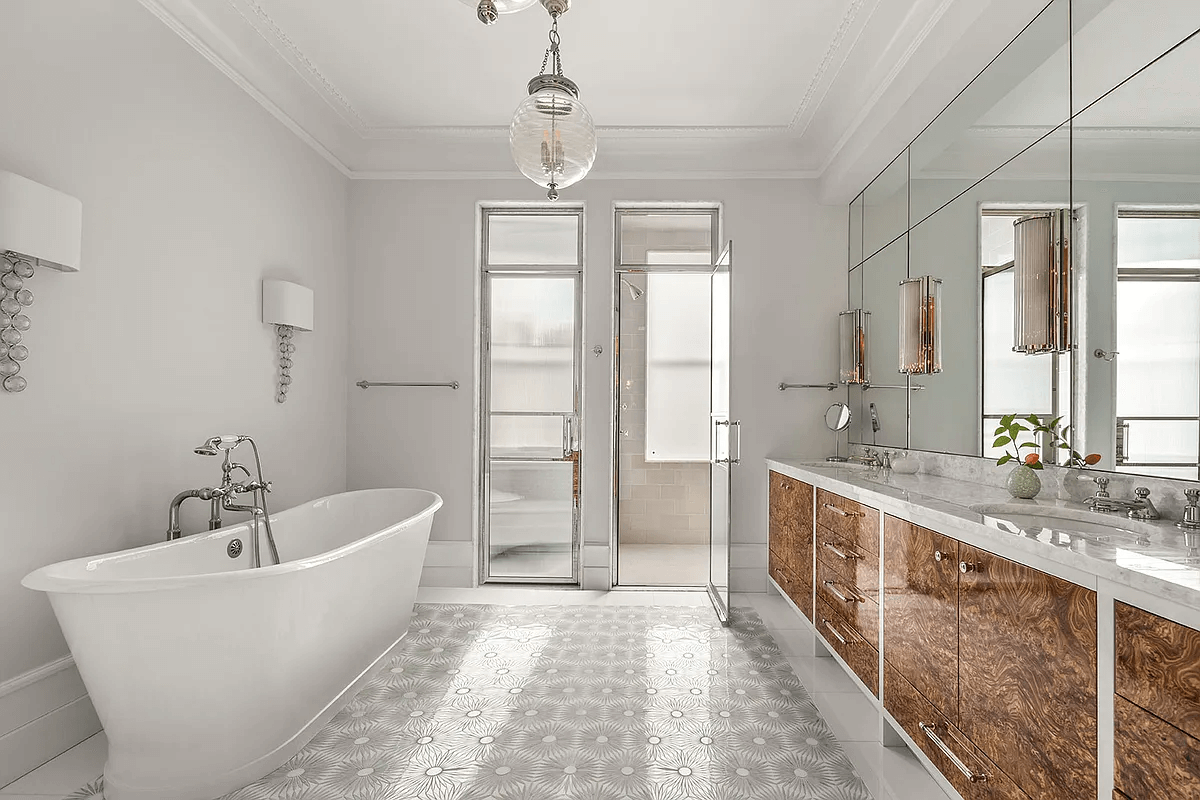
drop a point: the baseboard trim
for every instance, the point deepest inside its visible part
(43, 713)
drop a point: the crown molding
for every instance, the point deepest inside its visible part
(266, 27)
(606, 131)
(692, 175)
(173, 21)
(807, 109)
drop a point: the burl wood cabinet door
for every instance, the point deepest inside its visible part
(1027, 674)
(791, 524)
(920, 611)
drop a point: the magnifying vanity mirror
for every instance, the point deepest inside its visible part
(1081, 170)
(837, 419)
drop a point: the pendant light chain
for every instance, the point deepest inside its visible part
(553, 49)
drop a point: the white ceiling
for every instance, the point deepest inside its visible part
(680, 88)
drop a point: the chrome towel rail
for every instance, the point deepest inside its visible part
(783, 387)
(371, 384)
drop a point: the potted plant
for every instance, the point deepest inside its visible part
(1023, 481)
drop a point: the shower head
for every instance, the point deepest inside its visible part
(219, 444)
(634, 291)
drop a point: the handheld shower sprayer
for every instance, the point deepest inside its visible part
(874, 419)
(218, 444)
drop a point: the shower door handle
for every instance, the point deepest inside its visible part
(731, 426)
(570, 436)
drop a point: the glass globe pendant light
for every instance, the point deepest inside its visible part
(489, 11)
(552, 135)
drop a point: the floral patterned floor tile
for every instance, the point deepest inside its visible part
(584, 702)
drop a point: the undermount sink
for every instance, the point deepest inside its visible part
(836, 464)
(1031, 520)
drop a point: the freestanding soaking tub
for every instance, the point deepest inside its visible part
(208, 674)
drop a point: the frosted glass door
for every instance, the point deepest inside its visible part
(532, 470)
(723, 436)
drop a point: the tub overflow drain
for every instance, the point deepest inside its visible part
(235, 548)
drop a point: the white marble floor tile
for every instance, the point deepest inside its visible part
(821, 674)
(63, 775)
(662, 564)
(777, 613)
(852, 715)
(796, 643)
(893, 773)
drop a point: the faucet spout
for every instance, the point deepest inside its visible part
(174, 531)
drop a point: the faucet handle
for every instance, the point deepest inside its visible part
(1193, 496)
(1141, 493)
(1103, 484)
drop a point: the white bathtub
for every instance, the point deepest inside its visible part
(206, 674)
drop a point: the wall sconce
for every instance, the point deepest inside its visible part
(855, 327)
(1042, 283)
(39, 227)
(921, 326)
(289, 307)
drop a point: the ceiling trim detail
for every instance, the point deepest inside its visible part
(176, 25)
(835, 45)
(258, 18)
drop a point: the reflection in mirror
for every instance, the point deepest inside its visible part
(883, 412)
(854, 393)
(856, 231)
(1022, 96)
(1137, 166)
(970, 245)
(885, 207)
(1114, 39)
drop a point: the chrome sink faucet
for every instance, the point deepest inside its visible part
(871, 459)
(1141, 507)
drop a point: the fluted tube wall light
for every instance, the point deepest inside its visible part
(855, 331)
(921, 326)
(1042, 283)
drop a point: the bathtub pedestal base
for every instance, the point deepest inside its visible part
(220, 785)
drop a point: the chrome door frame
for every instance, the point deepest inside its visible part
(483, 443)
(720, 604)
(717, 212)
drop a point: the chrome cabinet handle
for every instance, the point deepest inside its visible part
(831, 547)
(826, 623)
(931, 732)
(939, 556)
(833, 588)
(840, 512)
(966, 566)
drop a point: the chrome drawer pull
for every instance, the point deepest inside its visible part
(839, 511)
(834, 631)
(939, 556)
(966, 566)
(931, 732)
(833, 588)
(831, 547)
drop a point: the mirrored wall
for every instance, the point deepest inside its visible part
(1056, 206)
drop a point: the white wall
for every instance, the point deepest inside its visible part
(192, 193)
(413, 318)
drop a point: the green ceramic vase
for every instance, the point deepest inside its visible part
(1024, 483)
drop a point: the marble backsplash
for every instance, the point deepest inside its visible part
(1057, 482)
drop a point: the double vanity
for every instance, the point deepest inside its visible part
(1024, 649)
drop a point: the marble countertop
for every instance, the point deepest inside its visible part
(1150, 556)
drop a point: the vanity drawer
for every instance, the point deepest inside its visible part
(852, 606)
(856, 651)
(799, 590)
(916, 714)
(1154, 760)
(859, 566)
(1158, 666)
(852, 520)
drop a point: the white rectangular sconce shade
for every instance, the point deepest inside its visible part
(921, 326)
(1042, 283)
(287, 303)
(40, 223)
(855, 330)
